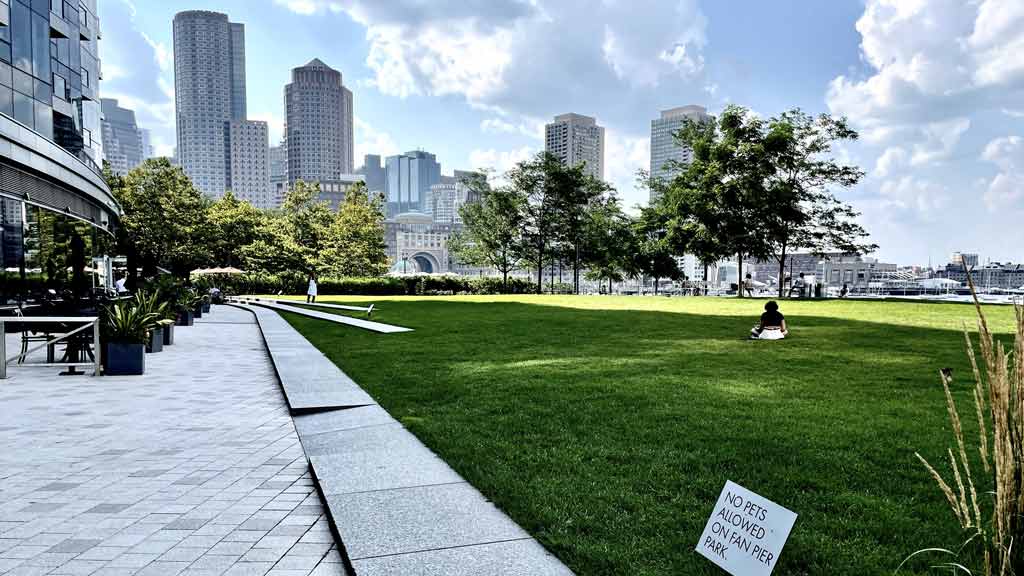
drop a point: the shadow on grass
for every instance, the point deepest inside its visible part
(609, 433)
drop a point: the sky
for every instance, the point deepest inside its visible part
(934, 87)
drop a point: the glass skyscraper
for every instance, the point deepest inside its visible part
(408, 178)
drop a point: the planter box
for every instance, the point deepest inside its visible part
(198, 312)
(206, 308)
(185, 319)
(156, 341)
(125, 359)
(169, 335)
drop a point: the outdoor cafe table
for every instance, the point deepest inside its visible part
(85, 322)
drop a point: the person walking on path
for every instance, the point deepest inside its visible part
(311, 290)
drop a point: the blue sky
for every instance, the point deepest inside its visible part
(936, 87)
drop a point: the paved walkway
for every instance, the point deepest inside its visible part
(194, 468)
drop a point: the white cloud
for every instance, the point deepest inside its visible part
(1006, 189)
(624, 156)
(893, 158)
(370, 140)
(529, 127)
(499, 161)
(520, 56)
(914, 198)
(940, 140)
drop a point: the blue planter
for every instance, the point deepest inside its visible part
(125, 359)
(206, 308)
(185, 319)
(198, 312)
(168, 334)
(156, 341)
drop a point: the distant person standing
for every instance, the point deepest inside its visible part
(311, 290)
(845, 291)
(748, 285)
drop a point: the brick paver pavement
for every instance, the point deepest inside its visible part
(192, 469)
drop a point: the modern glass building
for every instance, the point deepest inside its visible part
(408, 178)
(57, 211)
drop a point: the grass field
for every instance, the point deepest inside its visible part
(606, 426)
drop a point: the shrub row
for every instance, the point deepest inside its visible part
(382, 286)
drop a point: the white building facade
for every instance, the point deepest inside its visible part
(209, 85)
(250, 163)
(576, 139)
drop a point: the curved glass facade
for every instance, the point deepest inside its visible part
(57, 212)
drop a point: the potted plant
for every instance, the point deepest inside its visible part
(127, 329)
(185, 307)
(206, 303)
(197, 305)
(151, 305)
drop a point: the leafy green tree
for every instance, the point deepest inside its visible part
(654, 255)
(608, 243)
(540, 181)
(164, 217)
(356, 237)
(493, 228)
(236, 225)
(575, 194)
(717, 204)
(297, 237)
(803, 212)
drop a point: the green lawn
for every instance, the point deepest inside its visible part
(606, 426)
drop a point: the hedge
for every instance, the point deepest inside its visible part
(382, 286)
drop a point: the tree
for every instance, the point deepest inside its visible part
(356, 237)
(539, 181)
(716, 205)
(164, 217)
(236, 225)
(654, 255)
(804, 214)
(297, 237)
(608, 243)
(575, 194)
(493, 228)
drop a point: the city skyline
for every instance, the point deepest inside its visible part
(941, 142)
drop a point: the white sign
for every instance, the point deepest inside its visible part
(745, 533)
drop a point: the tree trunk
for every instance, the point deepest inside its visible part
(609, 286)
(655, 285)
(705, 278)
(739, 273)
(504, 280)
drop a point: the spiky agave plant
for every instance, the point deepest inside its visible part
(999, 408)
(127, 324)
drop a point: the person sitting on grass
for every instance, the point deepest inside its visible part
(772, 325)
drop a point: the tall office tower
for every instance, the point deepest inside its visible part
(664, 147)
(278, 159)
(373, 173)
(209, 85)
(576, 139)
(250, 165)
(318, 112)
(123, 144)
(409, 177)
